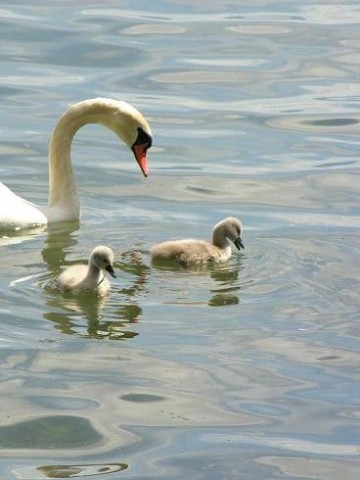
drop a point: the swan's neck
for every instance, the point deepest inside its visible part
(63, 196)
(94, 274)
(219, 238)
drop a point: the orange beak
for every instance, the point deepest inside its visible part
(140, 155)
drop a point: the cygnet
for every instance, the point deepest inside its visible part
(89, 278)
(194, 252)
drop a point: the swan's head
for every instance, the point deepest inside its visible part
(130, 125)
(232, 228)
(103, 258)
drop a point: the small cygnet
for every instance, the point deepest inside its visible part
(89, 278)
(194, 252)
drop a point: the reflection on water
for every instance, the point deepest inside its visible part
(74, 310)
(74, 471)
(69, 471)
(55, 432)
(221, 300)
(220, 283)
(59, 240)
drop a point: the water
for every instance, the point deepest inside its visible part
(243, 371)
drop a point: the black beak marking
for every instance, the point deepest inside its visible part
(110, 269)
(143, 138)
(239, 244)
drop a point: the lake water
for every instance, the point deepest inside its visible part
(248, 370)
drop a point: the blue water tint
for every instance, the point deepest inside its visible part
(242, 370)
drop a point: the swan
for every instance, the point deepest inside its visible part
(194, 252)
(120, 117)
(89, 278)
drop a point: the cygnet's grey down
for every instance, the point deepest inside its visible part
(89, 278)
(194, 252)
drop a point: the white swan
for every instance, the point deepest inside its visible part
(193, 252)
(118, 116)
(89, 278)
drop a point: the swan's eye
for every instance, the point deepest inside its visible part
(143, 138)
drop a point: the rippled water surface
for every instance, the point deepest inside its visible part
(241, 371)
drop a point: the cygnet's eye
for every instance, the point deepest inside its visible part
(236, 229)
(100, 258)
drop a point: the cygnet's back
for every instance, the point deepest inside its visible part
(193, 252)
(89, 278)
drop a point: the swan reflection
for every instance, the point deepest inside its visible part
(220, 282)
(227, 285)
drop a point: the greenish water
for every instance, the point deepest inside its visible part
(247, 370)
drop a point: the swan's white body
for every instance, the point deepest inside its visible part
(118, 116)
(194, 252)
(90, 278)
(15, 212)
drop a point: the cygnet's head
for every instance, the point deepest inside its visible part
(232, 228)
(103, 258)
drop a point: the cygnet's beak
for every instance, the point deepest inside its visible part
(141, 158)
(238, 243)
(110, 269)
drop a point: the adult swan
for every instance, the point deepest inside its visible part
(118, 116)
